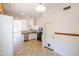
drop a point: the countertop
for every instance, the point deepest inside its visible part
(29, 31)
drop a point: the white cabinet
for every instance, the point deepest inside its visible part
(24, 25)
(30, 23)
(32, 36)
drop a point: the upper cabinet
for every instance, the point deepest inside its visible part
(30, 23)
(1, 7)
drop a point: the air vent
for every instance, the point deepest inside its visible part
(66, 8)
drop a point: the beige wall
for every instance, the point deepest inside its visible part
(64, 21)
(69, 18)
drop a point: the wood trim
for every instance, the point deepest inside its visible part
(1, 7)
(67, 34)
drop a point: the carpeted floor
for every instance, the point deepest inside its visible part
(34, 48)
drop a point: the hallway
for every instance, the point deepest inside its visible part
(34, 48)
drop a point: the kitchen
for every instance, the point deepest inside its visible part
(31, 33)
(26, 30)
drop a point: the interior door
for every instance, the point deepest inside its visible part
(6, 35)
(48, 34)
(17, 33)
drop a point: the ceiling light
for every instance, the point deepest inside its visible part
(40, 8)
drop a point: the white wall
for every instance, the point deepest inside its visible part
(6, 35)
(68, 23)
(66, 45)
(64, 21)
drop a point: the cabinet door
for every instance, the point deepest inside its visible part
(32, 36)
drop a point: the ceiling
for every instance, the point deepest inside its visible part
(28, 9)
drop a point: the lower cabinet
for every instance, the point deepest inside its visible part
(32, 36)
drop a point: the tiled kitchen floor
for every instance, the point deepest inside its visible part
(34, 48)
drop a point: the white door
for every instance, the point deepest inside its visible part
(17, 33)
(6, 35)
(48, 34)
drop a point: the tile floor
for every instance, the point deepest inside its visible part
(34, 48)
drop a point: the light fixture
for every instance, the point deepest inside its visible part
(40, 8)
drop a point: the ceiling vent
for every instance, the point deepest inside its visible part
(66, 8)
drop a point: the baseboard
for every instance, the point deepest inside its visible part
(49, 48)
